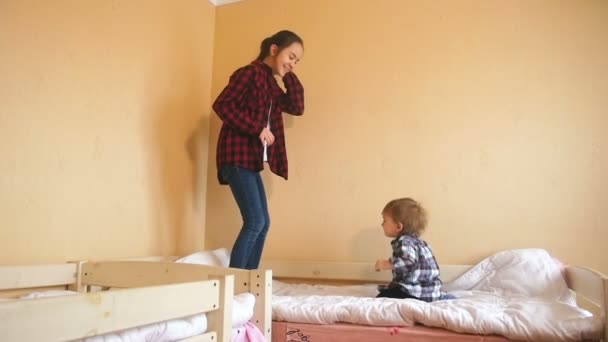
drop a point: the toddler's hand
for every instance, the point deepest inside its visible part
(383, 264)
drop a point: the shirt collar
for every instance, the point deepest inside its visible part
(262, 65)
(405, 238)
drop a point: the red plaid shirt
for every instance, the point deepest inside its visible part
(243, 107)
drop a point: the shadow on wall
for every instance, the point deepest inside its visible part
(178, 175)
(177, 163)
(168, 178)
(177, 90)
(197, 148)
(369, 245)
(192, 237)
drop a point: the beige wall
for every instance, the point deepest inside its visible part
(492, 113)
(97, 102)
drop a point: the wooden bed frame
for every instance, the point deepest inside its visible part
(139, 289)
(257, 282)
(591, 286)
(147, 271)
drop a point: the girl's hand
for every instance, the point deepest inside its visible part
(289, 74)
(383, 264)
(266, 136)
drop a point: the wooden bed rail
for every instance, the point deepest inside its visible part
(260, 284)
(127, 274)
(356, 272)
(140, 290)
(16, 277)
(140, 273)
(102, 312)
(593, 286)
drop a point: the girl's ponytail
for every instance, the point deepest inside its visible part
(264, 48)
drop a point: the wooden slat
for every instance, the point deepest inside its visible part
(125, 274)
(345, 271)
(241, 277)
(605, 311)
(325, 270)
(77, 285)
(587, 282)
(91, 314)
(220, 320)
(593, 286)
(261, 287)
(31, 276)
(208, 337)
(157, 258)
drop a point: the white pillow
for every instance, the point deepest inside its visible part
(219, 257)
(242, 309)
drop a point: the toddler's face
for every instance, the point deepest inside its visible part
(391, 228)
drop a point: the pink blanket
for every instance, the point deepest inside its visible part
(247, 333)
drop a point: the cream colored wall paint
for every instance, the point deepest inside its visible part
(490, 113)
(97, 102)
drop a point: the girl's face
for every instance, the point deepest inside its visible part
(285, 60)
(391, 228)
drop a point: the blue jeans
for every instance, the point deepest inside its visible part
(248, 191)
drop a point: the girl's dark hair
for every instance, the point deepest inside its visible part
(282, 39)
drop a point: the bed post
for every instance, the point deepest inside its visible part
(77, 285)
(605, 308)
(260, 284)
(592, 286)
(220, 320)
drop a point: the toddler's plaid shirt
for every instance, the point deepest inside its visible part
(415, 269)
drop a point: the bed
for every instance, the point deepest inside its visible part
(256, 282)
(147, 272)
(329, 310)
(91, 300)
